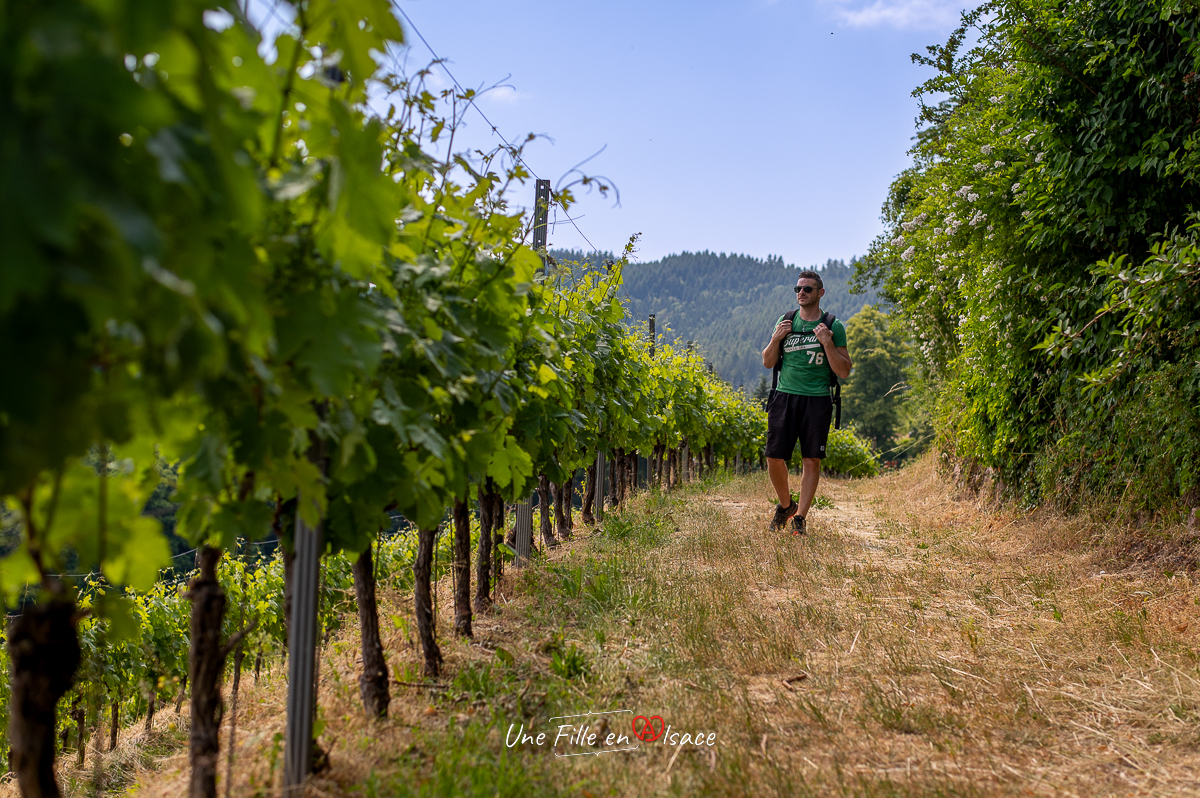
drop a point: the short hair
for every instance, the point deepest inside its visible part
(810, 275)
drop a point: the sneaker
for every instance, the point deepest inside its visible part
(798, 526)
(782, 514)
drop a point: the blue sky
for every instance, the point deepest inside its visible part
(756, 126)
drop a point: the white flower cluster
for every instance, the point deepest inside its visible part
(915, 223)
(908, 254)
(897, 241)
(1039, 157)
(978, 218)
(979, 167)
(952, 224)
(966, 194)
(1016, 187)
(994, 98)
(1027, 139)
(998, 164)
(986, 149)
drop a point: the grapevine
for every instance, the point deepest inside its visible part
(242, 272)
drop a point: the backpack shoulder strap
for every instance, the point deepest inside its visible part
(828, 319)
(789, 316)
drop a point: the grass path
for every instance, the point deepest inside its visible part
(914, 643)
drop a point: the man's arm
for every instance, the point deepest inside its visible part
(836, 356)
(771, 353)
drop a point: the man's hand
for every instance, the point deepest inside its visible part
(771, 353)
(824, 335)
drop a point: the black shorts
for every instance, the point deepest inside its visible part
(804, 418)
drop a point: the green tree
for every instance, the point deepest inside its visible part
(871, 398)
(1041, 247)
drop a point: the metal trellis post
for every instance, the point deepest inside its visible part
(653, 341)
(302, 654)
(524, 529)
(541, 217)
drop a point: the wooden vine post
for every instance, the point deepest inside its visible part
(543, 496)
(483, 562)
(598, 506)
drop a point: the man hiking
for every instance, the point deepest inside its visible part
(800, 407)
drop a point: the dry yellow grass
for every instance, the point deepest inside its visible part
(947, 647)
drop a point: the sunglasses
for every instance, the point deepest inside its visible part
(808, 289)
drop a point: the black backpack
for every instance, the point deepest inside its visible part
(835, 387)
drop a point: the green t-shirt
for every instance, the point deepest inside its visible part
(805, 371)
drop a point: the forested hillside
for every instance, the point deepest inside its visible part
(727, 304)
(1044, 245)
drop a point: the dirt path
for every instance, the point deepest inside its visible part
(913, 643)
(962, 651)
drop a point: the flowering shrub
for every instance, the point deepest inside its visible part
(1043, 177)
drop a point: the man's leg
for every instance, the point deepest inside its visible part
(778, 471)
(808, 484)
(781, 442)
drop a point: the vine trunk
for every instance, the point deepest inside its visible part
(373, 684)
(44, 651)
(422, 601)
